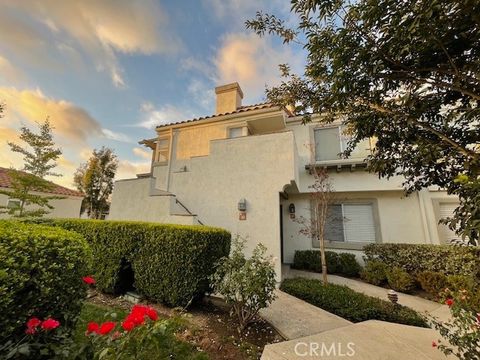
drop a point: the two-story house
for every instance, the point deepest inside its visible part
(246, 169)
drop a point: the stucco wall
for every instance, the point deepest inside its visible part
(69, 207)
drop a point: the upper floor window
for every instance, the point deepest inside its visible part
(163, 150)
(235, 132)
(331, 142)
(13, 204)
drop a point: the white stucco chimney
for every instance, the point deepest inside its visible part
(229, 98)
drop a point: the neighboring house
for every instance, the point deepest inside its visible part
(68, 207)
(204, 170)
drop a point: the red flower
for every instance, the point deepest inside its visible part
(92, 327)
(449, 302)
(106, 327)
(152, 314)
(33, 322)
(30, 331)
(88, 280)
(434, 344)
(50, 324)
(128, 325)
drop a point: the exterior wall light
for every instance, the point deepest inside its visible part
(242, 208)
(291, 210)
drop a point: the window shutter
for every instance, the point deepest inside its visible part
(446, 235)
(359, 223)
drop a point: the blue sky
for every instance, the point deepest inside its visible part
(106, 72)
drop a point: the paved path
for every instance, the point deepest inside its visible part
(369, 340)
(294, 318)
(414, 302)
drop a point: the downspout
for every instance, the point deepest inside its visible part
(421, 203)
(169, 166)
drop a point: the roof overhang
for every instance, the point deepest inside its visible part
(267, 124)
(148, 143)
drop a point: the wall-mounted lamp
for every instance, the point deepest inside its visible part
(242, 208)
(291, 210)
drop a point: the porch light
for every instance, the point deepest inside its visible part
(242, 208)
(291, 210)
(392, 296)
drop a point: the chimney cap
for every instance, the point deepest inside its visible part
(228, 87)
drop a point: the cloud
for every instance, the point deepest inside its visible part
(8, 72)
(202, 93)
(252, 62)
(71, 123)
(152, 116)
(129, 169)
(100, 29)
(138, 151)
(112, 135)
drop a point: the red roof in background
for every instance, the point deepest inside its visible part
(239, 110)
(6, 182)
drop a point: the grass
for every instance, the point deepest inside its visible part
(171, 346)
(349, 304)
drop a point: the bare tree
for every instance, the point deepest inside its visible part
(322, 196)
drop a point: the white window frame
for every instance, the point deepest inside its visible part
(166, 150)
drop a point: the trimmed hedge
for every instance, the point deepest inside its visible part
(349, 304)
(41, 270)
(170, 263)
(337, 263)
(414, 258)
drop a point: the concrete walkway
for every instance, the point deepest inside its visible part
(294, 318)
(416, 303)
(369, 340)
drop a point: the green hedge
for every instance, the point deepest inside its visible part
(41, 270)
(414, 258)
(337, 263)
(349, 304)
(170, 263)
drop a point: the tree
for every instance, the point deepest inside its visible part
(405, 73)
(95, 179)
(39, 158)
(322, 197)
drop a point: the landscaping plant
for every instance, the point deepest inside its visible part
(462, 332)
(374, 272)
(399, 280)
(247, 285)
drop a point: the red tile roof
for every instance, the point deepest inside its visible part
(239, 110)
(6, 182)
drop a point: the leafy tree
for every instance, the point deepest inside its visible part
(95, 179)
(39, 156)
(403, 72)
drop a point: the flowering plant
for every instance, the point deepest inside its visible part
(462, 332)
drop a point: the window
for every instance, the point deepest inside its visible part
(446, 235)
(163, 149)
(235, 132)
(350, 222)
(13, 204)
(331, 142)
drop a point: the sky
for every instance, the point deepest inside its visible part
(106, 72)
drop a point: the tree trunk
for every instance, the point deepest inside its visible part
(324, 260)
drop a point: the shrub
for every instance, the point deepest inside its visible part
(41, 271)
(414, 258)
(399, 280)
(432, 282)
(170, 263)
(348, 264)
(247, 285)
(374, 272)
(343, 263)
(349, 304)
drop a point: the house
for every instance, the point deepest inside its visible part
(67, 207)
(245, 169)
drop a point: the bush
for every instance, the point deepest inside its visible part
(349, 304)
(399, 280)
(247, 285)
(170, 263)
(41, 271)
(374, 272)
(432, 282)
(343, 263)
(415, 258)
(348, 264)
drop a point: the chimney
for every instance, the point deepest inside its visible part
(229, 98)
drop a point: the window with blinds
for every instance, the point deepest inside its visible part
(446, 235)
(331, 142)
(351, 222)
